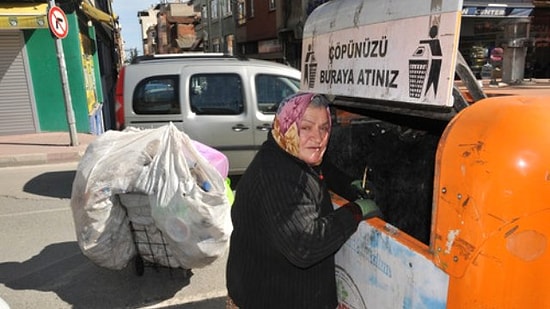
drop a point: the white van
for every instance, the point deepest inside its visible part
(222, 101)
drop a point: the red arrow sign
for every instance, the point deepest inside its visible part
(58, 22)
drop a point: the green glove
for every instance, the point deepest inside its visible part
(369, 209)
(357, 184)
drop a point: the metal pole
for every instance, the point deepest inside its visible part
(66, 92)
(209, 19)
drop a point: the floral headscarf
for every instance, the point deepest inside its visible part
(285, 129)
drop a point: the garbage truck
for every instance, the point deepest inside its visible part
(463, 179)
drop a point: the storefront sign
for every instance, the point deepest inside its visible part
(495, 11)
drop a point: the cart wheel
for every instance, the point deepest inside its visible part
(138, 263)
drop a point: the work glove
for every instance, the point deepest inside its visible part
(369, 209)
(357, 184)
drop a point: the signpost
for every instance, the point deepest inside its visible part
(60, 28)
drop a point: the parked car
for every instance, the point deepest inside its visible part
(222, 101)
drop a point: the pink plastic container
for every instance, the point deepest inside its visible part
(215, 157)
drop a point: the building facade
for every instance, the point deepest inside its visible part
(518, 29)
(217, 25)
(169, 28)
(31, 88)
(148, 21)
(270, 30)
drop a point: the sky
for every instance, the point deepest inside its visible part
(127, 10)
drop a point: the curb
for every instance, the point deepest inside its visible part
(40, 158)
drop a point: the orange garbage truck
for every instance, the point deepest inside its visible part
(463, 179)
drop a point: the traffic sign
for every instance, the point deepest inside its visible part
(58, 22)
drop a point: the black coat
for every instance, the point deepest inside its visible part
(286, 232)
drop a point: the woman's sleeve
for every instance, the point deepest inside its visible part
(338, 181)
(293, 220)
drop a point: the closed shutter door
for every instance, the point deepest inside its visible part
(16, 112)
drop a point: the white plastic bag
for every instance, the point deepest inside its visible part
(191, 209)
(162, 164)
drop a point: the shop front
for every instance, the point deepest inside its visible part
(538, 57)
(31, 90)
(500, 30)
(17, 104)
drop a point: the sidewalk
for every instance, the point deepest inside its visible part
(42, 148)
(534, 87)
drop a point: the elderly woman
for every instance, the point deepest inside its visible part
(286, 230)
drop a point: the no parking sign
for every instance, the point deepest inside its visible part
(58, 22)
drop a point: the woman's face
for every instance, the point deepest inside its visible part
(314, 131)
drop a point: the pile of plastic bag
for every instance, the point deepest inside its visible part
(156, 179)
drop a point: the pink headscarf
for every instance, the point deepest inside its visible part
(287, 119)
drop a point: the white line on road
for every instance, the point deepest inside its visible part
(34, 212)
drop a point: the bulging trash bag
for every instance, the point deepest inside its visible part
(186, 194)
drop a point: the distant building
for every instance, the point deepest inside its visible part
(216, 27)
(148, 22)
(269, 30)
(273, 29)
(168, 28)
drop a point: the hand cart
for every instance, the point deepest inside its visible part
(152, 249)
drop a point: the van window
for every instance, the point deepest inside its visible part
(157, 95)
(216, 94)
(272, 89)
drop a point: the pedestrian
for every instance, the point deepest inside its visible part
(285, 228)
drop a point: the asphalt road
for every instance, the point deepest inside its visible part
(41, 265)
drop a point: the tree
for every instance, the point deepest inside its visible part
(131, 54)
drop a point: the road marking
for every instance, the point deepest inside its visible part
(34, 212)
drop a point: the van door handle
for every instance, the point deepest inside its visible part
(264, 127)
(239, 127)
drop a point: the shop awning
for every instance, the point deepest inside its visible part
(497, 10)
(23, 15)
